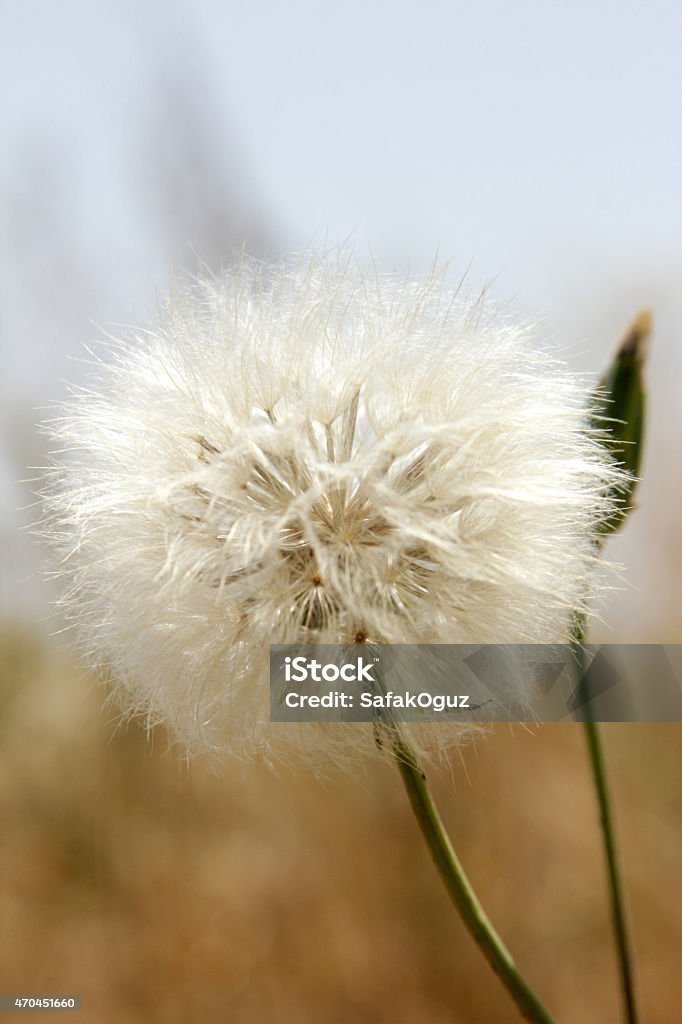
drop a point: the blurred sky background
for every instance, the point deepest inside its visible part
(538, 142)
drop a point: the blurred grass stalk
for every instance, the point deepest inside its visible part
(620, 413)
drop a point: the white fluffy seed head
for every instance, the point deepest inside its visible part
(308, 452)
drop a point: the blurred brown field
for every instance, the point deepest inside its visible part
(162, 892)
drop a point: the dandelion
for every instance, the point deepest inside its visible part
(307, 451)
(310, 452)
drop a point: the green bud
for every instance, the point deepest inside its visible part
(619, 412)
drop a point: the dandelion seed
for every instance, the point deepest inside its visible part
(309, 452)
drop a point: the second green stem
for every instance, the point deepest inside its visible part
(596, 754)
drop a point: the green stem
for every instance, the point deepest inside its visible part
(596, 751)
(597, 763)
(458, 885)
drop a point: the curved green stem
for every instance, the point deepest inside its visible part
(594, 744)
(458, 885)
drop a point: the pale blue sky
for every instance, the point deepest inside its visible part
(538, 141)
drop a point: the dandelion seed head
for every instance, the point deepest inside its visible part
(312, 452)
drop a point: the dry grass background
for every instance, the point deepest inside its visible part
(167, 893)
